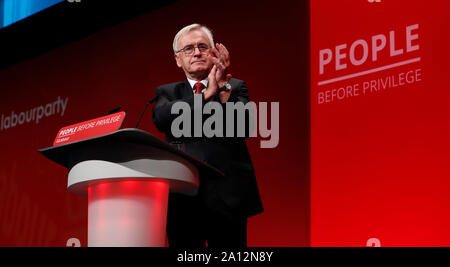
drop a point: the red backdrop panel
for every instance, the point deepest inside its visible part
(380, 152)
(122, 66)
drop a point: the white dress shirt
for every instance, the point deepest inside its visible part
(193, 82)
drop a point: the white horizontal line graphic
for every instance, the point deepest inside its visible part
(346, 77)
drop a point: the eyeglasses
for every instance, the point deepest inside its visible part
(189, 50)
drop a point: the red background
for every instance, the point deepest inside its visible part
(379, 163)
(121, 66)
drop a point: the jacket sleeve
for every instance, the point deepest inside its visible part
(161, 115)
(240, 94)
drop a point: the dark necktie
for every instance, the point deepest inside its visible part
(199, 87)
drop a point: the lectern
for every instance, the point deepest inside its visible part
(127, 176)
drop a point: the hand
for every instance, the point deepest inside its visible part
(212, 89)
(221, 59)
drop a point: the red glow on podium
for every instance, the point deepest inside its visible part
(135, 209)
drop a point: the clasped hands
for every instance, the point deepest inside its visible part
(218, 76)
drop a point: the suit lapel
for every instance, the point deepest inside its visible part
(187, 89)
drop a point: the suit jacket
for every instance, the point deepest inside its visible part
(235, 193)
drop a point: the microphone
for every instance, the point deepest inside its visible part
(153, 99)
(145, 108)
(114, 110)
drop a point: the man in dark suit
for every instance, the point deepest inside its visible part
(218, 214)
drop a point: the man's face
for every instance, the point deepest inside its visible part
(197, 65)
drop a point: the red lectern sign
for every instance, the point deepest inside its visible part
(89, 129)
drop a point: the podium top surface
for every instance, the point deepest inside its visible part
(70, 154)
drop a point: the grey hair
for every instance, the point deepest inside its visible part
(189, 28)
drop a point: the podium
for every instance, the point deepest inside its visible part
(127, 176)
